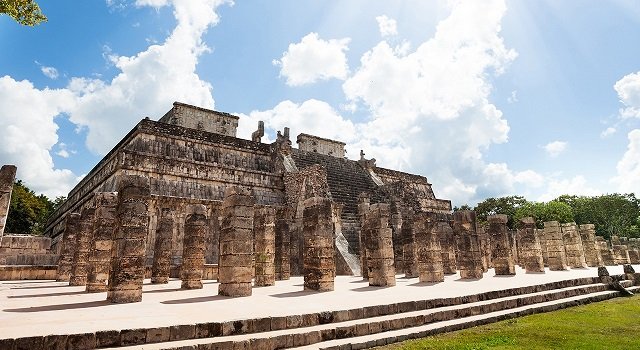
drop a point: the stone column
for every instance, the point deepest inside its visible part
(235, 268)
(591, 252)
(409, 249)
(605, 252)
(573, 246)
(363, 209)
(500, 245)
(68, 241)
(128, 261)
(447, 245)
(555, 246)
(83, 247)
(428, 248)
(318, 264)
(634, 256)
(543, 246)
(485, 248)
(102, 242)
(7, 178)
(282, 267)
(196, 227)
(161, 267)
(378, 246)
(470, 256)
(620, 254)
(531, 258)
(264, 234)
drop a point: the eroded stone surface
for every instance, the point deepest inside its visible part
(447, 244)
(195, 229)
(82, 247)
(573, 246)
(102, 241)
(469, 254)
(7, 177)
(502, 252)
(592, 255)
(378, 246)
(428, 248)
(606, 253)
(620, 254)
(531, 252)
(264, 233)
(68, 247)
(318, 263)
(282, 264)
(161, 268)
(555, 246)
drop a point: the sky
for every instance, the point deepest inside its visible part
(484, 98)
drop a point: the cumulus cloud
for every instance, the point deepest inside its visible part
(387, 26)
(628, 89)
(555, 148)
(49, 72)
(314, 59)
(576, 185)
(628, 178)
(608, 132)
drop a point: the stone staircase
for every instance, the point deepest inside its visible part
(357, 328)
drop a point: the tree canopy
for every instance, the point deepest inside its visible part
(28, 212)
(25, 12)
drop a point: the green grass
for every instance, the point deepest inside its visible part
(611, 324)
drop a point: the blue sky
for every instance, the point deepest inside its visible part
(484, 98)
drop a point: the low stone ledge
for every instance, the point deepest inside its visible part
(27, 272)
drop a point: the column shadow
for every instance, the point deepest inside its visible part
(46, 295)
(195, 300)
(84, 305)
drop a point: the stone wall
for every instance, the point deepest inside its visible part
(26, 250)
(310, 143)
(200, 118)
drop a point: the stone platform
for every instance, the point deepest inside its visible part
(40, 308)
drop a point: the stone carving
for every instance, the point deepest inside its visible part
(555, 246)
(573, 246)
(447, 245)
(282, 264)
(543, 246)
(161, 268)
(428, 248)
(83, 247)
(620, 254)
(68, 247)
(531, 258)
(235, 268)
(7, 177)
(196, 227)
(318, 250)
(378, 247)
(363, 209)
(605, 252)
(500, 245)
(469, 254)
(591, 252)
(102, 241)
(409, 248)
(128, 261)
(257, 135)
(264, 233)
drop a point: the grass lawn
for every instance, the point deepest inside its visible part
(611, 324)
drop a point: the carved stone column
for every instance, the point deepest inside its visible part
(7, 178)
(128, 261)
(447, 246)
(102, 242)
(161, 267)
(555, 246)
(282, 264)
(410, 255)
(500, 245)
(605, 252)
(264, 233)
(428, 248)
(377, 238)
(620, 254)
(573, 246)
(235, 268)
(318, 263)
(83, 247)
(196, 227)
(470, 256)
(531, 258)
(591, 252)
(363, 208)
(68, 241)
(543, 246)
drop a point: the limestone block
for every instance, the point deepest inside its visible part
(83, 246)
(7, 177)
(161, 268)
(409, 248)
(555, 246)
(68, 247)
(573, 246)
(428, 248)
(469, 254)
(318, 264)
(501, 250)
(196, 227)
(282, 245)
(592, 254)
(378, 247)
(531, 252)
(264, 233)
(447, 245)
(620, 254)
(102, 241)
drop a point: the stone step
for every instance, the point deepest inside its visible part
(381, 319)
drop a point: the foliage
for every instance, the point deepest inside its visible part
(28, 212)
(503, 205)
(611, 324)
(462, 207)
(25, 12)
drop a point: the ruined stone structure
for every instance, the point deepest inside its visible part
(485, 248)
(7, 177)
(132, 221)
(282, 239)
(409, 247)
(531, 251)
(377, 237)
(104, 230)
(161, 268)
(318, 252)
(555, 246)
(84, 236)
(428, 248)
(235, 268)
(68, 247)
(500, 245)
(573, 246)
(447, 244)
(264, 234)
(620, 254)
(605, 252)
(592, 255)
(195, 229)
(543, 246)
(469, 257)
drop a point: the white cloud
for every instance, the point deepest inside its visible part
(555, 148)
(387, 26)
(628, 89)
(49, 72)
(575, 186)
(514, 97)
(608, 132)
(628, 178)
(314, 59)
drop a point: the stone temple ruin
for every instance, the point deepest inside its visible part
(184, 198)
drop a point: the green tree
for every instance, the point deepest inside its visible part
(25, 12)
(28, 212)
(541, 212)
(462, 207)
(503, 205)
